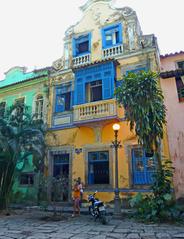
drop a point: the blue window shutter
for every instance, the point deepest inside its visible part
(120, 28)
(107, 87)
(108, 81)
(74, 47)
(59, 107)
(103, 39)
(72, 99)
(79, 91)
(89, 39)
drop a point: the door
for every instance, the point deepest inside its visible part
(60, 188)
(143, 167)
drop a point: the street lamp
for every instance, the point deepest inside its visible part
(116, 144)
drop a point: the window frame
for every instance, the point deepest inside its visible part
(138, 180)
(177, 64)
(30, 174)
(89, 90)
(62, 91)
(79, 40)
(92, 162)
(109, 29)
(180, 89)
(39, 114)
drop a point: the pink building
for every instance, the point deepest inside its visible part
(172, 84)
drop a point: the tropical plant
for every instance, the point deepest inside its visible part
(159, 205)
(20, 136)
(142, 100)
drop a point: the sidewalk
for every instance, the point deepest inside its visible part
(30, 225)
(69, 209)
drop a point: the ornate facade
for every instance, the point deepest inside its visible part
(102, 47)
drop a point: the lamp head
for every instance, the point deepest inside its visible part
(116, 127)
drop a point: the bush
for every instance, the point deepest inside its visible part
(159, 205)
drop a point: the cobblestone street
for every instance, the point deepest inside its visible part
(30, 226)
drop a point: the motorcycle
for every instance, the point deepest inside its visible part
(97, 208)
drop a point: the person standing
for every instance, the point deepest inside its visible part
(81, 187)
(76, 199)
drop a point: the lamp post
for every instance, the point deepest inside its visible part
(116, 144)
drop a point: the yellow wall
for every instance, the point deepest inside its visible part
(99, 135)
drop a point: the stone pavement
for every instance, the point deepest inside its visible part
(28, 225)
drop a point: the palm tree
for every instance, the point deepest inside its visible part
(20, 136)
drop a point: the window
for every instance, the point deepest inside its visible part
(27, 179)
(81, 45)
(180, 64)
(143, 166)
(94, 91)
(18, 112)
(2, 108)
(94, 83)
(39, 107)
(112, 36)
(180, 88)
(63, 98)
(98, 167)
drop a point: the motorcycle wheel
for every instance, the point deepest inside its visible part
(103, 218)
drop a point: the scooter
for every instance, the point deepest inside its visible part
(97, 208)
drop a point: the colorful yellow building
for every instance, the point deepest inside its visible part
(103, 46)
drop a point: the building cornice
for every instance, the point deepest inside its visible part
(170, 74)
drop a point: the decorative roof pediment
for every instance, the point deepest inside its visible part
(91, 2)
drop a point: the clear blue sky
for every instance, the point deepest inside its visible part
(32, 31)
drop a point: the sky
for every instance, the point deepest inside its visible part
(32, 31)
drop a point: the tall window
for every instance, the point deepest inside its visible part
(111, 36)
(63, 98)
(19, 103)
(180, 88)
(94, 91)
(2, 108)
(143, 166)
(98, 167)
(81, 45)
(39, 107)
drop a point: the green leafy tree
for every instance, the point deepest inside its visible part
(142, 100)
(20, 136)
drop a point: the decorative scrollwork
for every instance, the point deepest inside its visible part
(58, 64)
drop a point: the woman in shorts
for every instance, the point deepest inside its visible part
(76, 200)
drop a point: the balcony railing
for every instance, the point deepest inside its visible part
(113, 51)
(95, 110)
(81, 60)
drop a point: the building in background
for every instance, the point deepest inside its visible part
(103, 46)
(172, 84)
(31, 89)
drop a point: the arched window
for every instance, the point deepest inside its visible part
(39, 107)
